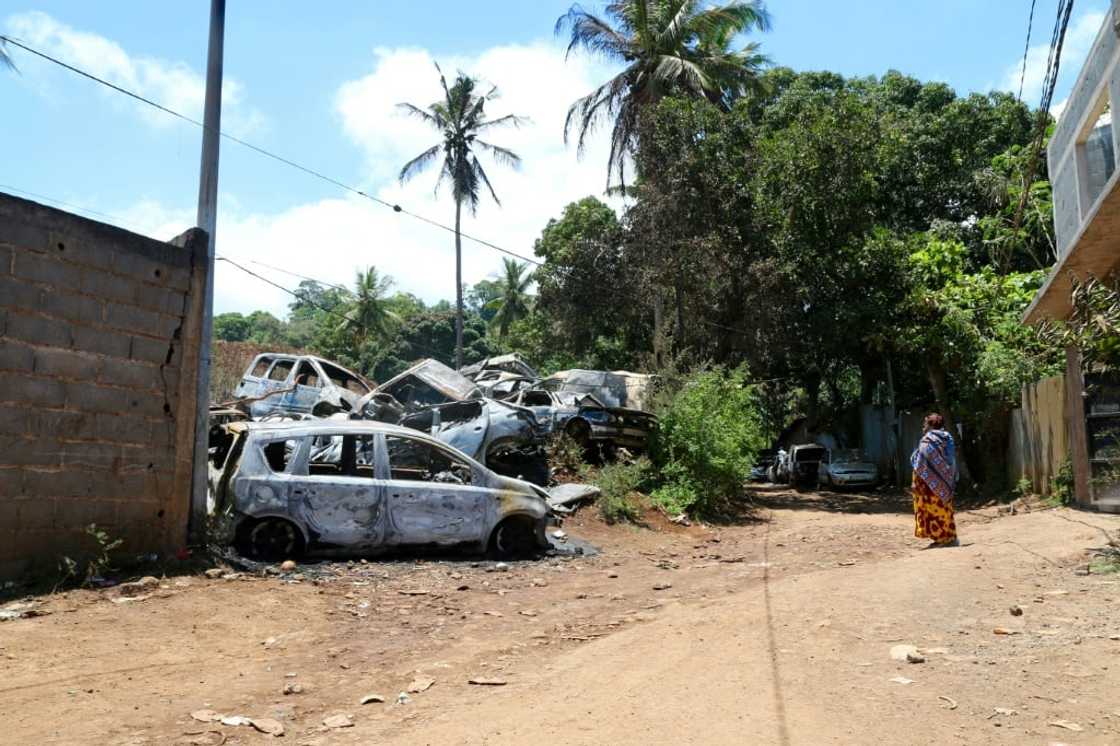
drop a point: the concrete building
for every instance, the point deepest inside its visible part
(1082, 163)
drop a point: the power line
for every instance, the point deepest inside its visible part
(267, 153)
(1026, 49)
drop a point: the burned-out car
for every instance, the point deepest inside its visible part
(804, 464)
(435, 399)
(587, 420)
(619, 388)
(511, 363)
(298, 384)
(365, 487)
(847, 467)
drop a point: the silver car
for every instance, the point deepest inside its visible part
(365, 487)
(299, 384)
(847, 468)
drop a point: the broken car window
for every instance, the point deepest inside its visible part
(306, 375)
(261, 367)
(536, 399)
(417, 461)
(342, 456)
(278, 453)
(344, 380)
(281, 370)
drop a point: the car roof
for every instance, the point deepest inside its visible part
(302, 428)
(316, 358)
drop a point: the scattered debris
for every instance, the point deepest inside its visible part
(1005, 631)
(1067, 724)
(206, 716)
(681, 520)
(1002, 711)
(487, 682)
(952, 702)
(268, 725)
(412, 592)
(559, 535)
(293, 688)
(563, 497)
(403, 699)
(214, 573)
(137, 587)
(662, 586)
(235, 720)
(846, 563)
(1016, 610)
(902, 680)
(915, 658)
(903, 652)
(420, 684)
(339, 720)
(370, 699)
(287, 566)
(21, 610)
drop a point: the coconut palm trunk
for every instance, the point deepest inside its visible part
(458, 287)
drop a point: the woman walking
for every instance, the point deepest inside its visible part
(935, 479)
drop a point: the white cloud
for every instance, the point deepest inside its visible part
(173, 84)
(331, 238)
(1080, 35)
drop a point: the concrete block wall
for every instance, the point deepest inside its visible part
(98, 348)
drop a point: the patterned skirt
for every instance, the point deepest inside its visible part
(933, 517)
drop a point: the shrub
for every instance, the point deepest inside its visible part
(709, 435)
(618, 483)
(565, 454)
(1061, 484)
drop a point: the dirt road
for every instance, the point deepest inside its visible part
(780, 631)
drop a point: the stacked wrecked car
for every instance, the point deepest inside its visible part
(311, 456)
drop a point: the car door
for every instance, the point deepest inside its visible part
(305, 385)
(335, 489)
(432, 495)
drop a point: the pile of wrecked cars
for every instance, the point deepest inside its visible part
(311, 457)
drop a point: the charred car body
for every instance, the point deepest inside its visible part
(353, 485)
(804, 464)
(298, 384)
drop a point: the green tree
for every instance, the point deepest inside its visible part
(367, 311)
(513, 300)
(460, 118)
(667, 47)
(231, 327)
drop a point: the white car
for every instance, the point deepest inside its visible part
(365, 487)
(847, 468)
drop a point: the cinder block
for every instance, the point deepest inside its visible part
(150, 270)
(80, 250)
(55, 423)
(47, 270)
(38, 330)
(164, 300)
(140, 320)
(15, 356)
(27, 389)
(71, 483)
(13, 420)
(89, 397)
(83, 308)
(131, 373)
(84, 454)
(101, 341)
(11, 486)
(37, 452)
(66, 364)
(108, 286)
(143, 460)
(36, 513)
(145, 515)
(120, 428)
(17, 293)
(79, 513)
(154, 350)
(5, 259)
(22, 235)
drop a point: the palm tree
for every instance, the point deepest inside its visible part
(460, 117)
(668, 47)
(367, 309)
(512, 302)
(5, 58)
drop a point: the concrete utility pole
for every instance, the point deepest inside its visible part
(207, 220)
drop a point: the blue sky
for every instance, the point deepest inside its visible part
(317, 82)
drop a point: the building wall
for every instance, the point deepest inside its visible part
(98, 351)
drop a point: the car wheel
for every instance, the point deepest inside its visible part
(269, 540)
(514, 537)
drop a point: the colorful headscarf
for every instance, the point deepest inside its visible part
(935, 462)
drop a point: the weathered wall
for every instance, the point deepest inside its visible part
(1039, 441)
(98, 351)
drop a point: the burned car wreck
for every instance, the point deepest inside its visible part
(360, 486)
(298, 384)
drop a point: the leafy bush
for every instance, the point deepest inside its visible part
(565, 454)
(1061, 484)
(710, 432)
(618, 482)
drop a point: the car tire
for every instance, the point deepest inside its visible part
(514, 537)
(269, 540)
